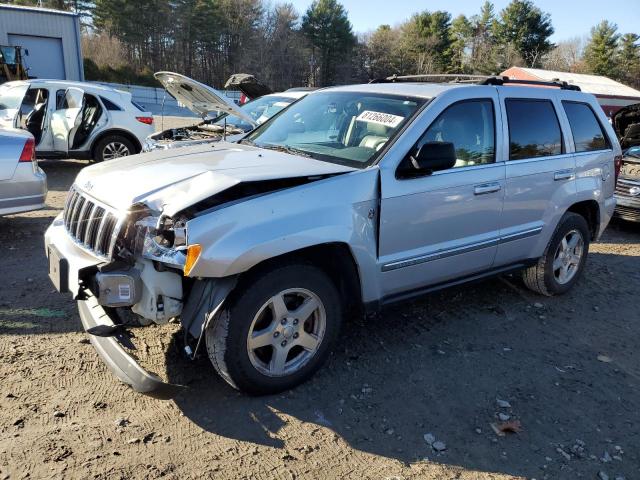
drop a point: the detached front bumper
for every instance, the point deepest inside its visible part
(113, 353)
(68, 264)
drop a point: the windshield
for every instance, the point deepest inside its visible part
(11, 96)
(260, 110)
(349, 128)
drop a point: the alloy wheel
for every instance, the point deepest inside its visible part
(568, 256)
(286, 333)
(115, 150)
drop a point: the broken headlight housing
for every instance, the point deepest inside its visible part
(162, 240)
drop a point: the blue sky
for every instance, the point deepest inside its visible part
(570, 18)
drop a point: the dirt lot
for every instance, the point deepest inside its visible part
(568, 367)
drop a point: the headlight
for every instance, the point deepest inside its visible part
(156, 242)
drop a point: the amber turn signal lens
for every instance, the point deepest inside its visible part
(193, 253)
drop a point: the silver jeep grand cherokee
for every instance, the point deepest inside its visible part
(352, 198)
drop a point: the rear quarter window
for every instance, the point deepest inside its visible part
(109, 105)
(588, 134)
(534, 129)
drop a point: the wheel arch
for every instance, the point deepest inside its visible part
(115, 131)
(590, 211)
(335, 259)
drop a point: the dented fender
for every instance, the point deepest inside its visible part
(338, 209)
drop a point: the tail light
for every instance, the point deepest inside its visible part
(29, 151)
(145, 120)
(243, 99)
(617, 165)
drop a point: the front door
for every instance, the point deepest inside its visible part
(66, 120)
(445, 225)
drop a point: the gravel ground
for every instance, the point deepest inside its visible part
(427, 375)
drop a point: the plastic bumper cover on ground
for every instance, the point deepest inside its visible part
(123, 365)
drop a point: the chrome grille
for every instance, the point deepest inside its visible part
(95, 227)
(623, 188)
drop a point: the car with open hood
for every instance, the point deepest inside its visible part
(75, 119)
(353, 198)
(221, 117)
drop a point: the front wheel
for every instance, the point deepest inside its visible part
(563, 260)
(277, 331)
(112, 147)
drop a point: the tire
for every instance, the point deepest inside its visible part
(112, 147)
(545, 277)
(254, 368)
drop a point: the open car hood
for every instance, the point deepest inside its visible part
(198, 97)
(248, 84)
(626, 123)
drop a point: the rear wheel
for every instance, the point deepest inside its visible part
(563, 260)
(112, 147)
(278, 331)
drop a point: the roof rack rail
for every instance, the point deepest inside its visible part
(432, 77)
(502, 80)
(477, 79)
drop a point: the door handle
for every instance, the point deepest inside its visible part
(563, 175)
(486, 188)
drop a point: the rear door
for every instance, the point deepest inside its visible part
(444, 226)
(540, 184)
(66, 120)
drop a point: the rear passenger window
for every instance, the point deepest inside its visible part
(534, 130)
(587, 131)
(470, 126)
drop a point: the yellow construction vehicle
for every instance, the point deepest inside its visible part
(11, 66)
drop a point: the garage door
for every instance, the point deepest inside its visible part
(45, 58)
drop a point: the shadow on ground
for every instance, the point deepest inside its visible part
(437, 366)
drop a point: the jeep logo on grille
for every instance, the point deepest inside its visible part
(634, 191)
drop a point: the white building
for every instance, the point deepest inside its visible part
(50, 40)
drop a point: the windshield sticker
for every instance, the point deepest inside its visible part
(386, 119)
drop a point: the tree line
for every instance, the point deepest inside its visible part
(211, 39)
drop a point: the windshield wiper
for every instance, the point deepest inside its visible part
(246, 141)
(287, 149)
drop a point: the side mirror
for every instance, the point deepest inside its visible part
(429, 158)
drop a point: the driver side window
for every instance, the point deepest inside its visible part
(470, 126)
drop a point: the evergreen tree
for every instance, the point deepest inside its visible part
(526, 30)
(328, 30)
(629, 59)
(427, 40)
(600, 55)
(461, 38)
(483, 47)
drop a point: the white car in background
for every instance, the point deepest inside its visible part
(221, 117)
(75, 119)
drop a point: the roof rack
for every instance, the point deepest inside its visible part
(502, 80)
(475, 79)
(432, 77)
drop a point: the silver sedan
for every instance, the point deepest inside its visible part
(23, 185)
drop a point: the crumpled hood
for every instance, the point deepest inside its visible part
(171, 180)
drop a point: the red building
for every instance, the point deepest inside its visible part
(611, 95)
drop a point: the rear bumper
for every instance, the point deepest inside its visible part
(113, 353)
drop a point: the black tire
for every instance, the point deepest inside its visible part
(101, 148)
(541, 277)
(227, 338)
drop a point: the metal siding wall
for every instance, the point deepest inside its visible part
(45, 24)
